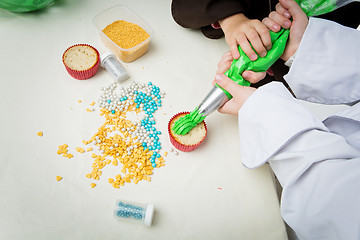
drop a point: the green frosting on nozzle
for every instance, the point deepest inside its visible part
(184, 124)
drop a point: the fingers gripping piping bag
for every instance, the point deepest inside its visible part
(218, 96)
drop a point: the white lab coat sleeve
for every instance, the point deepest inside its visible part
(326, 68)
(347, 124)
(318, 169)
(268, 120)
(320, 176)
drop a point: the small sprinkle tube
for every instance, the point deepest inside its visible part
(114, 67)
(134, 212)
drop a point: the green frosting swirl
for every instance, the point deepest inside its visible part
(184, 124)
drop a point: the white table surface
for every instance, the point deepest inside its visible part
(204, 194)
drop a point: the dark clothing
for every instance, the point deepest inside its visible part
(199, 13)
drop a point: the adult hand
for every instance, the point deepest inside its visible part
(225, 64)
(240, 94)
(285, 10)
(239, 30)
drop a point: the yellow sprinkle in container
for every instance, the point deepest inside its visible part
(119, 21)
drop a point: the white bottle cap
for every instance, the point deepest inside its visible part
(149, 213)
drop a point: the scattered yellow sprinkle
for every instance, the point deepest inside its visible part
(58, 178)
(88, 110)
(80, 150)
(89, 149)
(62, 150)
(79, 101)
(92, 104)
(165, 154)
(40, 134)
(93, 185)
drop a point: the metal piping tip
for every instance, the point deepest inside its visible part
(213, 101)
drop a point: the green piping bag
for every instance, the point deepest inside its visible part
(311, 7)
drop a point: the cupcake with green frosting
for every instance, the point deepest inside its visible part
(182, 139)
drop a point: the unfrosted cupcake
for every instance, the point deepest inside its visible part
(81, 61)
(189, 141)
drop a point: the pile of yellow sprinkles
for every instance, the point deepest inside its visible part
(125, 34)
(131, 145)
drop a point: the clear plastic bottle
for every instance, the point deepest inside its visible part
(24, 5)
(134, 212)
(110, 62)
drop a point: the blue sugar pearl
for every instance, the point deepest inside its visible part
(156, 138)
(150, 83)
(152, 160)
(154, 165)
(144, 144)
(109, 101)
(158, 155)
(113, 111)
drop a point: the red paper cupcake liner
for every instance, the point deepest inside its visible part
(84, 74)
(178, 145)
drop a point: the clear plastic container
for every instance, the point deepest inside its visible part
(120, 12)
(134, 212)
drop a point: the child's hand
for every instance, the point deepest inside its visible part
(225, 64)
(239, 30)
(284, 10)
(240, 94)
